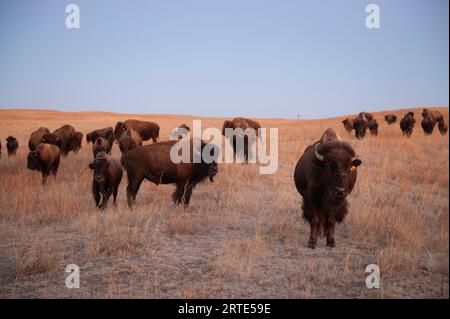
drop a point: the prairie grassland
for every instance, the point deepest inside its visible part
(242, 236)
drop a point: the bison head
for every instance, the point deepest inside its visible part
(118, 130)
(126, 143)
(100, 167)
(360, 127)
(88, 138)
(33, 160)
(75, 141)
(339, 164)
(51, 138)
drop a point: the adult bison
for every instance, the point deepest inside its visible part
(390, 118)
(325, 174)
(373, 127)
(154, 163)
(349, 124)
(435, 115)
(443, 128)
(147, 130)
(101, 144)
(12, 144)
(428, 123)
(65, 137)
(361, 125)
(407, 124)
(36, 137)
(107, 133)
(248, 128)
(45, 159)
(106, 179)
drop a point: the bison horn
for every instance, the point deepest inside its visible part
(318, 156)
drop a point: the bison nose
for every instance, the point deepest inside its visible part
(99, 178)
(340, 192)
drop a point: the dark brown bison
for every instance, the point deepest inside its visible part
(407, 124)
(349, 124)
(361, 125)
(101, 144)
(373, 127)
(63, 138)
(107, 133)
(12, 144)
(147, 130)
(436, 115)
(325, 174)
(443, 128)
(428, 123)
(36, 137)
(390, 118)
(75, 142)
(246, 125)
(126, 143)
(368, 116)
(106, 180)
(153, 162)
(45, 159)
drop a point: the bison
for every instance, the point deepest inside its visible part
(428, 123)
(107, 133)
(12, 144)
(324, 175)
(153, 162)
(373, 127)
(126, 143)
(443, 128)
(106, 180)
(180, 132)
(63, 137)
(436, 115)
(45, 159)
(390, 118)
(407, 124)
(101, 144)
(147, 130)
(36, 137)
(244, 124)
(361, 124)
(75, 143)
(349, 124)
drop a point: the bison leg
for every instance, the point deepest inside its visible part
(116, 189)
(44, 177)
(132, 189)
(105, 198)
(177, 195)
(96, 193)
(187, 193)
(329, 231)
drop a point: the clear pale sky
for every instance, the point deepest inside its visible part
(257, 58)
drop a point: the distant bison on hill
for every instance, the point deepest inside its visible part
(153, 162)
(65, 137)
(407, 124)
(349, 124)
(147, 130)
(428, 123)
(36, 137)
(243, 124)
(45, 159)
(324, 175)
(373, 127)
(443, 128)
(390, 118)
(361, 125)
(12, 144)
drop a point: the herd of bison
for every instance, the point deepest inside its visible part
(324, 175)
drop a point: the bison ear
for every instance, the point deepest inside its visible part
(356, 162)
(91, 166)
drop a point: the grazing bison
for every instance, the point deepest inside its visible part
(63, 138)
(390, 118)
(325, 174)
(45, 159)
(407, 124)
(147, 130)
(126, 143)
(361, 124)
(107, 177)
(180, 132)
(244, 124)
(12, 144)
(428, 124)
(107, 133)
(349, 124)
(101, 144)
(436, 115)
(153, 162)
(443, 128)
(36, 137)
(373, 127)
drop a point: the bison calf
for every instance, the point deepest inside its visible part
(324, 175)
(12, 145)
(153, 162)
(107, 177)
(45, 159)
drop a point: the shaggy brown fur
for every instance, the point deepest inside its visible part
(12, 144)
(36, 137)
(147, 130)
(45, 159)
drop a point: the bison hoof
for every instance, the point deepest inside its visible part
(312, 245)
(331, 244)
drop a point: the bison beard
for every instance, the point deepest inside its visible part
(324, 176)
(153, 162)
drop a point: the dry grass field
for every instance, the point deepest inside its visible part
(242, 236)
